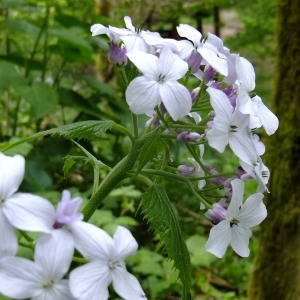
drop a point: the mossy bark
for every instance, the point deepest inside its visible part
(276, 273)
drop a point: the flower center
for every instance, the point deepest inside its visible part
(1, 201)
(48, 285)
(161, 78)
(113, 264)
(234, 222)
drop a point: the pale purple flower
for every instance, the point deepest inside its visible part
(21, 278)
(230, 127)
(20, 210)
(235, 229)
(106, 266)
(188, 136)
(209, 51)
(249, 102)
(159, 84)
(67, 210)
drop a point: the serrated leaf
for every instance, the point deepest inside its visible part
(70, 161)
(80, 130)
(159, 212)
(148, 149)
(42, 98)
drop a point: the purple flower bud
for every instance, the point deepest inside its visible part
(185, 170)
(117, 55)
(155, 122)
(194, 94)
(67, 210)
(217, 214)
(188, 136)
(216, 85)
(210, 125)
(231, 94)
(217, 180)
(209, 74)
(194, 61)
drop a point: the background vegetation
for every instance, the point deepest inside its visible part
(52, 72)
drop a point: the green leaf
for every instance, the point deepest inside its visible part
(70, 161)
(9, 76)
(149, 148)
(42, 98)
(158, 210)
(72, 35)
(23, 149)
(100, 86)
(80, 130)
(22, 26)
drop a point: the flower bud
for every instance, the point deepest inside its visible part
(209, 74)
(188, 136)
(185, 170)
(194, 94)
(217, 214)
(117, 55)
(194, 61)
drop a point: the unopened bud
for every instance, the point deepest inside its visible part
(188, 136)
(217, 214)
(185, 170)
(116, 54)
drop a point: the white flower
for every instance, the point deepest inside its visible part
(230, 127)
(234, 229)
(20, 210)
(159, 84)
(21, 278)
(252, 104)
(106, 256)
(211, 51)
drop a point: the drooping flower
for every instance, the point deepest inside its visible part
(234, 225)
(106, 266)
(159, 84)
(249, 102)
(212, 50)
(230, 127)
(21, 278)
(20, 210)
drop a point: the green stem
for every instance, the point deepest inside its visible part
(187, 77)
(123, 130)
(80, 260)
(188, 126)
(26, 245)
(192, 189)
(114, 177)
(26, 236)
(135, 125)
(144, 179)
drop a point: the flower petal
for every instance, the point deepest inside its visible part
(90, 281)
(146, 63)
(236, 199)
(60, 290)
(92, 242)
(219, 238)
(20, 278)
(245, 73)
(240, 240)
(176, 98)
(142, 95)
(242, 145)
(8, 238)
(253, 211)
(125, 244)
(56, 262)
(171, 66)
(269, 121)
(29, 212)
(11, 174)
(126, 285)
(190, 33)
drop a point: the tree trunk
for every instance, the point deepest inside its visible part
(276, 273)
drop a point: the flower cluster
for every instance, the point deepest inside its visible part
(226, 84)
(62, 231)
